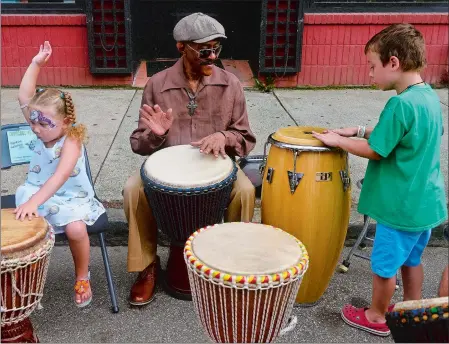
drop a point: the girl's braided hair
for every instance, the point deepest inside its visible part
(63, 103)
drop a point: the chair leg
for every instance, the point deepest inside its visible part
(107, 268)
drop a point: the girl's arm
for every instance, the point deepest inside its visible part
(70, 153)
(28, 84)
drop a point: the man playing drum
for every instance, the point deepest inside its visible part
(192, 102)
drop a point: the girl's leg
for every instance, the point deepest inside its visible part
(80, 247)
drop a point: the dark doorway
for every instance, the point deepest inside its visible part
(153, 22)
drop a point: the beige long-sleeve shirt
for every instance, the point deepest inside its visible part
(221, 107)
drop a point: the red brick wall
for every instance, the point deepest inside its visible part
(333, 47)
(69, 65)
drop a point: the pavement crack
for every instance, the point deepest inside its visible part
(115, 136)
(285, 109)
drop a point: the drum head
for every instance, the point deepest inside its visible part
(301, 136)
(185, 167)
(247, 249)
(419, 304)
(19, 235)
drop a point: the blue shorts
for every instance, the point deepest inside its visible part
(394, 248)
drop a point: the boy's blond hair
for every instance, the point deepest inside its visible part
(403, 41)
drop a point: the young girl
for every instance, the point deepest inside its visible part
(57, 186)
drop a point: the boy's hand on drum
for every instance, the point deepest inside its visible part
(27, 209)
(43, 55)
(346, 132)
(155, 119)
(214, 144)
(329, 138)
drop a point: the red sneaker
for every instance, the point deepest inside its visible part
(356, 317)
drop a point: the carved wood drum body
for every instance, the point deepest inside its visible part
(306, 192)
(186, 190)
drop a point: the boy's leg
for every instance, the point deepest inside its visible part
(444, 283)
(390, 251)
(80, 247)
(412, 270)
(383, 290)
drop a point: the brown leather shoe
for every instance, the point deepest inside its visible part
(142, 291)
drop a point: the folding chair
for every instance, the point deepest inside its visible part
(99, 227)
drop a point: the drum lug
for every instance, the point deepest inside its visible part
(345, 179)
(270, 173)
(294, 179)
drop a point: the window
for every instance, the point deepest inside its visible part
(42, 6)
(376, 6)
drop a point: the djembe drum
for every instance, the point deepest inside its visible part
(186, 190)
(420, 321)
(25, 249)
(244, 279)
(306, 192)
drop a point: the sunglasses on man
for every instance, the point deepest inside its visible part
(207, 52)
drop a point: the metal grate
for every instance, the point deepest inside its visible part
(281, 36)
(109, 36)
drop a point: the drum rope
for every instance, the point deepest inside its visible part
(24, 281)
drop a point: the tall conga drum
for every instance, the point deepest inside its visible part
(25, 249)
(420, 321)
(244, 279)
(186, 190)
(306, 192)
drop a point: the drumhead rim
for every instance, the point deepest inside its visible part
(291, 146)
(420, 304)
(155, 184)
(255, 281)
(177, 184)
(39, 236)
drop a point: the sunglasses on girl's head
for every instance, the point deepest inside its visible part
(37, 116)
(205, 53)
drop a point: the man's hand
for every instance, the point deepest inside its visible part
(214, 144)
(156, 119)
(43, 55)
(329, 138)
(28, 208)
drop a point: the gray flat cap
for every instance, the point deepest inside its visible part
(198, 28)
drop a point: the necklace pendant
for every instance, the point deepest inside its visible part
(191, 107)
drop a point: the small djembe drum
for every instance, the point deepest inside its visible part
(420, 321)
(244, 279)
(25, 249)
(186, 190)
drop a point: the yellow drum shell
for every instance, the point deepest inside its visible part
(317, 212)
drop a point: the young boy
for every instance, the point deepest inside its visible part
(403, 189)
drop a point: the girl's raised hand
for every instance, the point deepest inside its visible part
(43, 55)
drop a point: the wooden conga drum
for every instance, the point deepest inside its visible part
(26, 247)
(244, 279)
(420, 321)
(186, 190)
(306, 192)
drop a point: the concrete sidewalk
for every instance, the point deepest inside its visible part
(111, 115)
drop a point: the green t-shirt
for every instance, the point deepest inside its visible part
(405, 188)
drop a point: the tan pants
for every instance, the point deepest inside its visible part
(142, 240)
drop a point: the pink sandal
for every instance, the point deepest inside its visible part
(356, 317)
